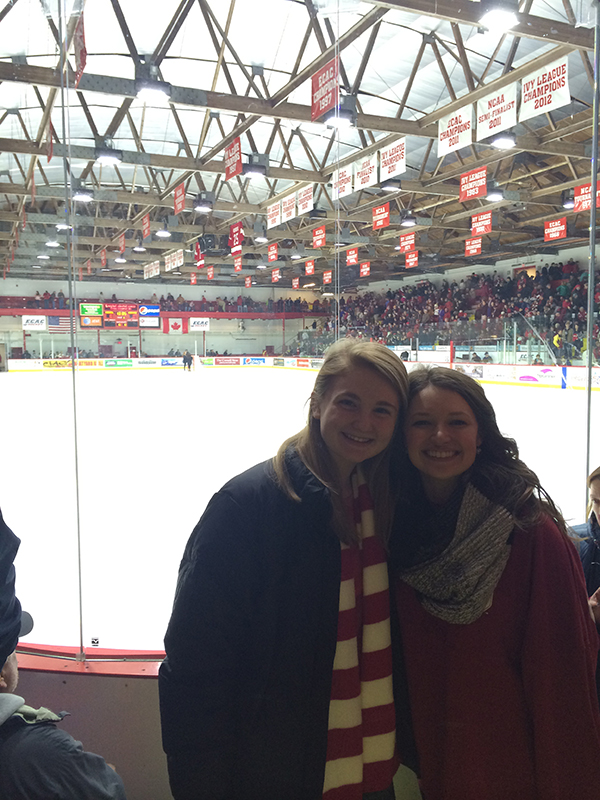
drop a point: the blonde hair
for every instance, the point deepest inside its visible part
(341, 358)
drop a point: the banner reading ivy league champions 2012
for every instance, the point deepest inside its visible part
(545, 90)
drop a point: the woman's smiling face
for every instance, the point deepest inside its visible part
(442, 438)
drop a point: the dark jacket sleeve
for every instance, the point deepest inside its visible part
(40, 762)
(205, 644)
(10, 608)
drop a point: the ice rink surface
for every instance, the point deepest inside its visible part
(153, 448)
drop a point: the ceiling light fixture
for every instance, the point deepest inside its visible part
(261, 266)
(499, 16)
(494, 192)
(36, 266)
(504, 141)
(408, 220)
(391, 185)
(164, 232)
(106, 154)
(148, 87)
(257, 166)
(139, 247)
(204, 202)
(343, 115)
(62, 226)
(120, 260)
(80, 192)
(260, 233)
(309, 285)
(52, 243)
(44, 258)
(568, 199)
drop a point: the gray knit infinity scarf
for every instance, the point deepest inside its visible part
(458, 585)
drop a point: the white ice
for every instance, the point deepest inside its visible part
(153, 447)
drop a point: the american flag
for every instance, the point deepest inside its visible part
(60, 324)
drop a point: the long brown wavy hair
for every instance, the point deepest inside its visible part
(341, 358)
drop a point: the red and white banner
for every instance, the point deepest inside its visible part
(412, 259)
(305, 199)
(352, 256)
(473, 184)
(247, 281)
(473, 246)
(80, 273)
(309, 268)
(583, 198)
(341, 182)
(198, 255)
(152, 270)
(319, 236)
(481, 223)
(288, 208)
(210, 273)
(179, 198)
(454, 131)
(274, 214)
(272, 250)
(236, 237)
(146, 232)
(407, 242)
(275, 275)
(327, 276)
(103, 257)
(295, 283)
(175, 325)
(555, 229)
(496, 112)
(365, 172)
(24, 223)
(88, 264)
(80, 50)
(174, 260)
(237, 264)
(122, 243)
(392, 160)
(193, 279)
(365, 269)
(381, 216)
(233, 159)
(325, 89)
(545, 90)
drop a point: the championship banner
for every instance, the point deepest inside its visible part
(481, 223)
(341, 182)
(454, 131)
(274, 214)
(325, 89)
(305, 200)
(496, 112)
(473, 246)
(309, 268)
(327, 277)
(275, 275)
(210, 273)
(121, 241)
(198, 255)
(146, 232)
(288, 208)
(88, 264)
(412, 259)
(103, 257)
(247, 281)
(365, 172)
(408, 242)
(583, 198)
(381, 216)
(556, 229)
(179, 198)
(151, 270)
(365, 269)
(233, 159)
(545, 90)
(473, 184)
(237, 264)
(193, 279)
(392, 160)
(236, 237)
(80, 51)
(352, 256)
(295, 283)
(319, 236)
(272, 250)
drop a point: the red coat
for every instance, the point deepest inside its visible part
(506, 708)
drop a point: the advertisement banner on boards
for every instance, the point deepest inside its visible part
(555, 229)
(199, 324)
(325, 89)
(455, 131)
(365, 172)
(91, 322)
(274, 214)
(392, 160)
(473, 184)
(233, 159)
(90, 309)
(34, 323)
(149, 322)
(305, 200)
(545, 90)
(341, 182)
(496, 112)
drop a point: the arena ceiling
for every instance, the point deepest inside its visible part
(242, 68)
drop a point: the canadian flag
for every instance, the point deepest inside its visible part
(175, 325)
